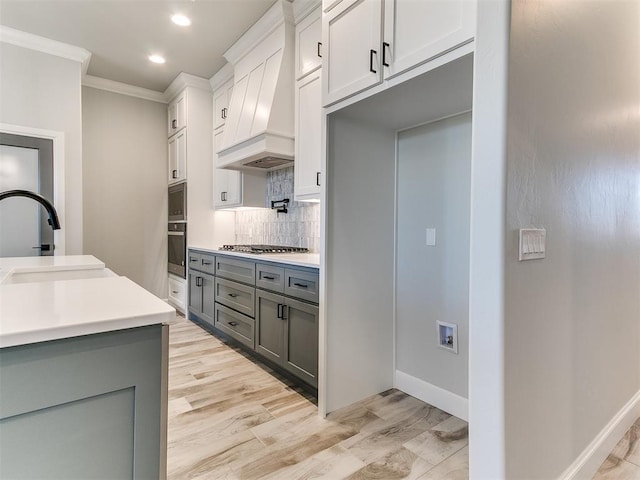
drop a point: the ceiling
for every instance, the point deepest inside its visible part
(121, 34)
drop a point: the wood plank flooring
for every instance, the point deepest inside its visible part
(233, 418)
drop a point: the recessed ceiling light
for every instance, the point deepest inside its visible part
(157, 59)
(181, 20)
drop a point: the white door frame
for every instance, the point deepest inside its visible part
(58, 174)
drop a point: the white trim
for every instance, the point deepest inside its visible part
(46, 45)
(221, 77)
(59, 199)
(433, 395)
(182, 81)
(302, 8)
(280, 12)
(588, 462)
(123, 89)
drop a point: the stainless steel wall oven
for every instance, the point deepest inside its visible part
(177, 248)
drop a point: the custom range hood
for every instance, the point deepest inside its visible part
(259, 128)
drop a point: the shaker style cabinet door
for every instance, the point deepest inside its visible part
(301, 340)
(177, 114)
(178, 157)
(417, 31)
(270, 326)
(352, 61)
(309, 44)
(221, 99)
(308, 137)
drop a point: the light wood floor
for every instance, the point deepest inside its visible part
(230, 418)
(233, 418)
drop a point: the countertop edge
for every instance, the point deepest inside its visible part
(266, 257)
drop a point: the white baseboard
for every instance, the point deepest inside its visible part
(438, 397)
(587, 464)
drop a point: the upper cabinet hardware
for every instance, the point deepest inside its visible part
(224, 113)
(174, 123)
(280, 205)
(385, 45)
(174, 173)
(371, 54)
(223, 196)
(319, 47)
(318, 179)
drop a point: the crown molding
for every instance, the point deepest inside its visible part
(45, 45)
(222, 76)
(280, 12)
(302, 8)
(123, 88)
(182, 81)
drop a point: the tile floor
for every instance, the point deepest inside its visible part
(233, 418)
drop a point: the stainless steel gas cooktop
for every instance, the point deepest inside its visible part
(263, 249)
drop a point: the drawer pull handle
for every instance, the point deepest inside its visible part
(268, 278)
(233, 324)
(301, 285)
(233, 295)
(175, 292)
(207, 263)
(193, 259)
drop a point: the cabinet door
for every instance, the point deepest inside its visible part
(309, 44)
(301, 340)
(221, 104)
(352, 39)
(177, 114)
(195, 292)
(178, 157)
(416, 32)
(308, 137)
(270, 326)
(208, 295)
(228, 188)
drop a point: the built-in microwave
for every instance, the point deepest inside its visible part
(178, 202)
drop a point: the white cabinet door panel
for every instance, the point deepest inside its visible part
(178, 157)
(352, 38)
(267, 75)
(249, 105)
(419, 30)
(308, 44)
(235, 112)
(308, 137)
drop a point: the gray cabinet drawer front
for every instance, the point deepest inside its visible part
(235, 325)
(270, 277)
(238, 270)
(302, 284)
(207, 263)
(193, 260)
(235, 295)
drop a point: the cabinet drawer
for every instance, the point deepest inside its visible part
(301, 284)
(235, 325)
(270, 277)
(236, 296)
(177, 293)
(238, 270)
(193, 261)
(207, 263)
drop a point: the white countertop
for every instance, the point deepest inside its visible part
(40, 311)
(310, 260)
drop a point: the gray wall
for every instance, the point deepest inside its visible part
(572, 320)
(43, 91)
(434, 168)
(125, 186)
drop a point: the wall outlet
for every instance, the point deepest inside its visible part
(448, 336)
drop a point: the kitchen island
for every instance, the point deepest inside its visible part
(83, 365)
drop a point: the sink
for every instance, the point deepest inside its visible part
(54, 275)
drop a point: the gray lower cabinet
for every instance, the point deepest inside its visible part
(201, 294)
(85, 407)
(287, 334)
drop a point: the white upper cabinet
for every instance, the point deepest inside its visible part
(221, 99)
(417, 31)
(352, 37)
(369, 41)
(177, 114)
(178, 157)
(309, 44)
(308, 137)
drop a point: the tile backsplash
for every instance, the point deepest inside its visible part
(300, 227)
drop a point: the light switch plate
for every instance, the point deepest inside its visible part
(431, 237)
(532, 243)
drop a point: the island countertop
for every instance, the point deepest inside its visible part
(38, 311)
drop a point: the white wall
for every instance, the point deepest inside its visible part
(39, 90)
(572, 320)
(432, 282)
(125, 185)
